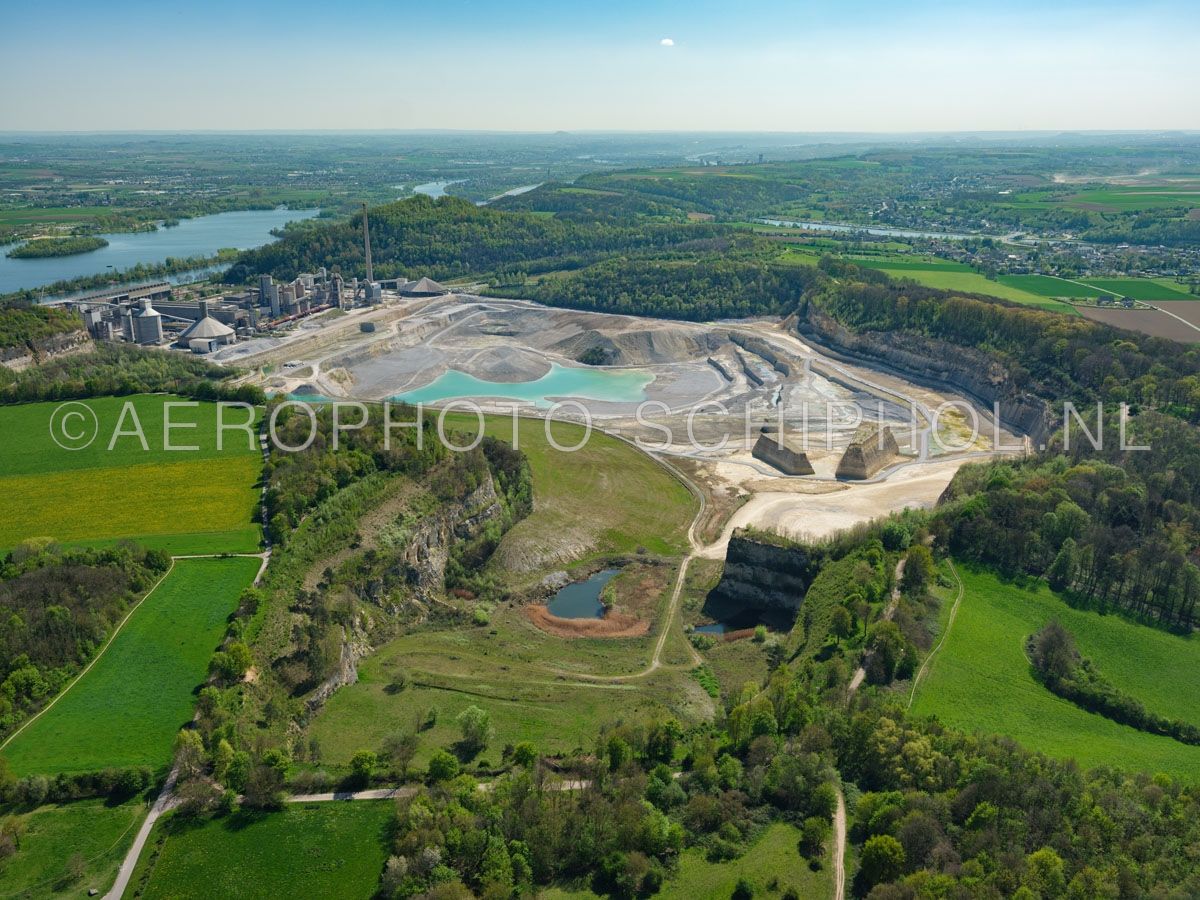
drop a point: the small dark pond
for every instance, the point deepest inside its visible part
(581, 600)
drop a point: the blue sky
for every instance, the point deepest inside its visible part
(861, 65)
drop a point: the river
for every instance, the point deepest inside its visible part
(436, 189)
(879, 230)
(201, 236)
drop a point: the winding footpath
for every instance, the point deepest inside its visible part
(839, 815)
(945, 634)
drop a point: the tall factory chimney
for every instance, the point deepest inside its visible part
(367, 246)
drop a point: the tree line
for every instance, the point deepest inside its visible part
(57, 607)
(451, 238)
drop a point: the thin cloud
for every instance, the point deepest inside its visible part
(666, 42)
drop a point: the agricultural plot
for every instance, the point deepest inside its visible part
(973, 283)
(1154, 322)
(70, 848)
(1148, 289)
(981, 680)
(318, 850)
(1139, 197)
(940, 273)
(1049, 286)
(126, 709)
(1139, 288)
(196, 501)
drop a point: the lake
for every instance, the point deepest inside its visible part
(612, 385)
(581, 600)
(201, 236)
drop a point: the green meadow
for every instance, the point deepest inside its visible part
(1140, 288)
(981, 679)
(510, 667)
(587, 504)
(93, 832)
(126, 709)
(774, 857)
(518, 673)
(1049, 286)
(313, 850)
(771, 865)
(1149, 289)
(939, 273)
(185, 501)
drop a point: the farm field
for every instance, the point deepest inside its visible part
(939, 273)
(1154, 322)
(126, 709)
(1138, 197)
(981, 680)
(32, 216)
(1048, 286)
(974, 283)
(1150, 289)
(315, 850)
(95, 831)
(1140, 288)
(195, 501)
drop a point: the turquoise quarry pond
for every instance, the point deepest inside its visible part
(612, 385)
(201, 236)
(581, 600)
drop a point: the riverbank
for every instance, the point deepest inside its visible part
(192, 244)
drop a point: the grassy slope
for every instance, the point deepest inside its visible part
(184, 501)
(454, 668)
(587, 504)
(507, 669)
(320, 850)
(126, 709)
(981, 679)
(98, 832)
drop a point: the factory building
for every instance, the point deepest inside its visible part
(206, 334)
(146, 321)
(423, 287)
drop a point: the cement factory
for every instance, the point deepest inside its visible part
(152, 315)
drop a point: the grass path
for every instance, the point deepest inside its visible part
(945, 634)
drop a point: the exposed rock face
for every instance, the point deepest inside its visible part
(972, 372)
(872, 448)
(31, 354)
(425, 558)
(783, 454)
(763, 576)
(429, 550)
(759, 347)
(353, 649)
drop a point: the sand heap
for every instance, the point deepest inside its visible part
(784, 454)
(872, 447)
